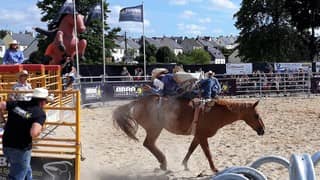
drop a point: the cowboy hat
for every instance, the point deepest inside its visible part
(14, 42)
(41, 93)
(211, 73)
(23, 72)
(158, 71)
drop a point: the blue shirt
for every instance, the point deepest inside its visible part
(13, 57)
(210, 87)
(170, 85)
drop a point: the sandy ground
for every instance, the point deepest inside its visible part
(292, 127)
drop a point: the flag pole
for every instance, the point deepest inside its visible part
(103, 42)
(144, 46)
(76, 34)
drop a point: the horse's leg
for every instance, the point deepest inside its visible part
(192, 147)
(205, 147)
(82, 47)
(59, 41)
(149, 143)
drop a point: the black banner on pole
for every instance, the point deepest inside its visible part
(44, 168)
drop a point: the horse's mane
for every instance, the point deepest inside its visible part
(232, 106)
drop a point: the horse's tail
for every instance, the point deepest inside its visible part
(122, 118)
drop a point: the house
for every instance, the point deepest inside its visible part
(189, 45)
(216, 54)
(133, 49)
(24, 39)
(166, 42)
(2, 48)
(228, 42)
(233, 57)
(213, 49)
(33, 47)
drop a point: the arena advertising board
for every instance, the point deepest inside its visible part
(292, 67)
(127, 91)
(238, 68)
(91, 92)
(44, 168)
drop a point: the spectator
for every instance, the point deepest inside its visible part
(138, 73)
(21, 85)
(13, 55)
(210, 86)
(25, 121)
(126, 73)
(68, 71)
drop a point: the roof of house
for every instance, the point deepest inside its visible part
(23, 39)
(172, 44)
(234, 58)
(225, 40)
(33, 46)
(161, 42)
(207, 43)
(216, 53)
(190, 44)
(131, 44)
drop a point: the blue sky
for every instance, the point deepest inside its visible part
(162, 17)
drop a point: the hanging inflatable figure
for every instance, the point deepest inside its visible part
(64, 39)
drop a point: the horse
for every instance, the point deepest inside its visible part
(65, 39)
(155, 113)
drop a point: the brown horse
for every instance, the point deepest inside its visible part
(154, 113)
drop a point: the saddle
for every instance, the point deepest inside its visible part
(199, 105)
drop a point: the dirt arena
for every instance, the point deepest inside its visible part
(292, 127)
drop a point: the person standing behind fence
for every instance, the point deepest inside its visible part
(126, 73)
(13, 55)
(25, 121)
(68, 71)
(210, 87)
(21, 85)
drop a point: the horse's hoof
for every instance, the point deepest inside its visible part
(163, 167)
(215, 170)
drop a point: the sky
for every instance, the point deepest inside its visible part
(161, 17)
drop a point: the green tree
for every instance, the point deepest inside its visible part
(151, 51)
(305, 16)
(266, 35)
(165, 55)
(196, 56)
(3, 33)
(93, 34)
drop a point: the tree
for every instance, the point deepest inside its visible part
(3, 33)
(93, 34)
(165, 55)
(266, 34)
(196, 56)
(305, 16)
(151, 51)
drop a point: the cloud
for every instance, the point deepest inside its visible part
(222, 4)
(182, 2)
(18, 20)
(187, 14)
(191, 29)
(205, 20)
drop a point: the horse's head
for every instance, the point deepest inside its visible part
(253, 119)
